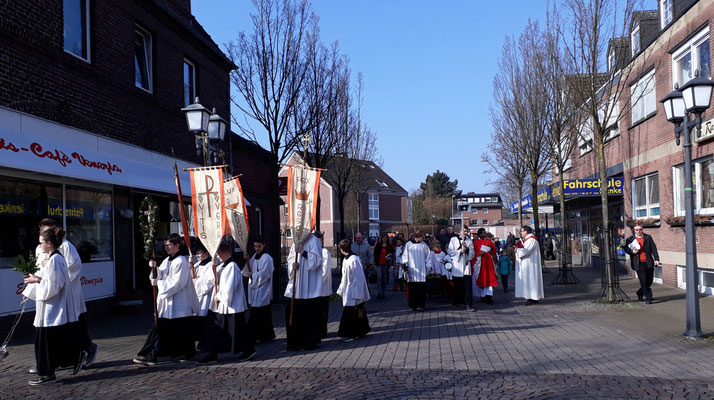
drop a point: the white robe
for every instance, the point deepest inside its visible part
(327, 268)
(74, 268)
(260, 285)
(461, 261)
(418, 257)
(309, 275)
(353, 287)
(230, 289)
(176, 295)
(439, 261)
(53, 302)
(203, 284)
(529, 275)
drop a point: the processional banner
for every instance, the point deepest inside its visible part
(209, 212)
(236, 212)
(303, 186)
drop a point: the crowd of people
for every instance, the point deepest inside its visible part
(201, 308)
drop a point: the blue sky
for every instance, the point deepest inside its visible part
(428, 69)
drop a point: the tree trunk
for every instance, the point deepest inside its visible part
(534, 205)
(605, 248)
(341, 209)
(520, 207)
(565, 243)
(273, 237)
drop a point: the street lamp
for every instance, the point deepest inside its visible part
(206, 126)
(694, 97)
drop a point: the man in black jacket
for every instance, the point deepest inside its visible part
(643, 258)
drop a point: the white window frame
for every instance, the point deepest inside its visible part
(643, 96)
(494, 199)
(678, 185)
(148, 49)
(484, 211)
(688, 48)
(87, 35)
(614, 107)
(635, 39)
(611, 61)
(586, 136)
(485, 222)
(647, 207)
(373, 203)
(373, 227)
(192, 96)
(477, 200)
(666, 19)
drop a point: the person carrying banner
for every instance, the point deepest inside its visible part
(461, 251)
(176, 304)
(260, 290)
(74, 268)
(417, 257)
(484, 266)
(305, 272)
(225, 323)
(355, 294)
(56, 340)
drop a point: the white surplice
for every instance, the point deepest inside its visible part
(439, 261)
(309, 274)
(53, 303)
(353, 286)
(203, 284)
(230, 289)
(74, 268)
(529, 275)
(327, 268)
(260, 285)
(418, 258)
(461, 262)
(176, 295)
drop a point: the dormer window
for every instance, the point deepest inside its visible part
(635, 38)
(666, 12)
(611, 61)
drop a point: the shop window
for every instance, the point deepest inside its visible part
(645, 196)
(89, 223)
(23, 203)
(75, 18)
(702, 187)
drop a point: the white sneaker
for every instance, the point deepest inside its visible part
(347, 340)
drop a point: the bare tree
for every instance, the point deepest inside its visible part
(601, 91)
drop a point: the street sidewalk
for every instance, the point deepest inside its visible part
(566, 347)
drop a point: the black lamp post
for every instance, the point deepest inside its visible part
(206, 126)
(694, 97)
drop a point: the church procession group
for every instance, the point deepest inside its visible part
(204, 308)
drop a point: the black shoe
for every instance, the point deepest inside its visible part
(42, 379)
(488, 300)
(151, 359)
(648, 301)
(80, 363)
(247, 355)
(91, 355)
(184, 359)
(640, 297)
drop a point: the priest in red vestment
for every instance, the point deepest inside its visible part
(484, 266)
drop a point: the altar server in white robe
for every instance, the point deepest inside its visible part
(176, 305)
(355, 294)
(417, 256)
(204, 283)
(461, 252)
(260, 290)
(225, 329)
(56, 340)
(304, 259)
(74, 268)
(529, 275)
(327, 268)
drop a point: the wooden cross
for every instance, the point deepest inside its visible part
(208, 192)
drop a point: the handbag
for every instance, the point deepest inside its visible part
(372, 276)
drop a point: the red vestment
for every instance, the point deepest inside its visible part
(487, 275)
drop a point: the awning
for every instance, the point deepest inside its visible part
(90, 157)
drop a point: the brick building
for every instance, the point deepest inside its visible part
(90, 122)
(645, 165)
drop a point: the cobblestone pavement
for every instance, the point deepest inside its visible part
(567, 347)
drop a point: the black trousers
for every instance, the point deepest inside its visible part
(504, 282)
(56, 346)
(304, 333)
(457, 295)
(354, 323)
(468, 290)
(417, 294)
(646, 277)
